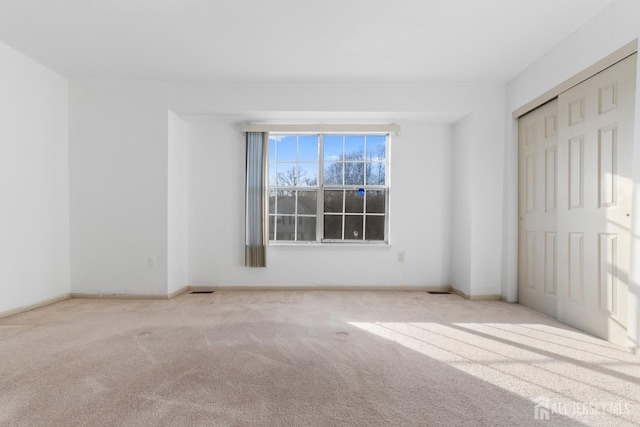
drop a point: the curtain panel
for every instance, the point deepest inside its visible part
(255, 205)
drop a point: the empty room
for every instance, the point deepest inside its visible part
(319, 213)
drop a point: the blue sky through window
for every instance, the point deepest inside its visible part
(332, 147)
(286, 147)
(308, 148)
(354, 147)
(376, 147)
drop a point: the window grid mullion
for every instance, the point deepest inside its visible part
(295, 216)
(364, 207)
(296, 192)
(364, 173)
(344, 215)
(320, 190)
(275, 215)
(275, 204)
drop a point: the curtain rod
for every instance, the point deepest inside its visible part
(322, 127)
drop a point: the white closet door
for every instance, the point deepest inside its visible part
(538, 201)
(595, 131)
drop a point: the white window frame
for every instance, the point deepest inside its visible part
(320, 188)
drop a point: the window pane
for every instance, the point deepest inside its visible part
(333, 173)
(353, 227)
(375, 227)
(333, 201)
(354, 202)
(272, 174)
(272, 202)
(272, 149)
(308, 174)
(307, 228)
(333, 226)
(375, 201)
(286, 148)
(332, 147)
(286, 228)
(376, 148)
(307, 202)
(272, 226)
(354, 173)
(349, 164)
(287, 174)
(286, 202)
(376, 173)
(354, 147)
(308, 148)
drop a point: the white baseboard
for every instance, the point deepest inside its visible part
(34, 306)
(178, 292)
(206, 288)
(117, 296)
(476, 297)
(106, 295)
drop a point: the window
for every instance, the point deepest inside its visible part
(328, 187)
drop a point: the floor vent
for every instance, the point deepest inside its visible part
(439, 293)
(201, 292)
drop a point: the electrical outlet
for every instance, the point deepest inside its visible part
(152, 262)
(401, 255)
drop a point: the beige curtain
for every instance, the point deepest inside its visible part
(256, 236)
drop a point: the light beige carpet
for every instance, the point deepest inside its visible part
(308, 358)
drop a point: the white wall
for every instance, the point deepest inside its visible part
(420, 211)
(487, 192)
(119, 193)
(461, 206)
(118, 183)
(613, 28)
(34, 197)
(478, 197)
(177, 274)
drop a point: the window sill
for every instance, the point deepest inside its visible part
(332, 244)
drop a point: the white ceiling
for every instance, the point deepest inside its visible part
(429, 41)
